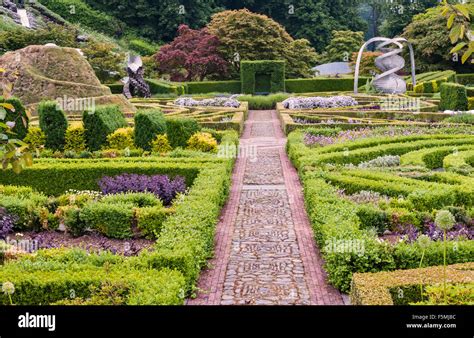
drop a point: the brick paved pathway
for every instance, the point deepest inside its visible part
(265, 252)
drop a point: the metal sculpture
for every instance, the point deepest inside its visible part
(389, 63)
(134, 83)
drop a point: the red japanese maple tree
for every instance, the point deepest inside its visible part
(192, 56)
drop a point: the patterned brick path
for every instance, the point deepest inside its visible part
(265, 251)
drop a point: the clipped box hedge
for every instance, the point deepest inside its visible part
(57, 275)
(203, 87)
(250, 71)
(465, 79)
(55, 177)
(453, 97)
(187, 237)
(321, 85)
(100, 123)
(162, 87)
(337, 219)
(333, 218)
(403, 286)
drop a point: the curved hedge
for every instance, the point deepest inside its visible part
(330, 180)
(51, 275)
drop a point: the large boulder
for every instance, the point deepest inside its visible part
(50, 72)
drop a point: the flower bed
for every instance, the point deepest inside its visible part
(186, 235)
(367, 207)
(350, 112)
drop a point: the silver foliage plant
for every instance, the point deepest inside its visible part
(230, 102)
(300, 102)
(381, 161)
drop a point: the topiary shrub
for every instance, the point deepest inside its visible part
(202, 142)
(148, 124)
(53, 122)
(262, 76)
(161, 144)
(35, 137)
(112, 220)
(453, 97)
(75, 139)
(100, 123)
(179, 130)
(121, 139)
(18, 116)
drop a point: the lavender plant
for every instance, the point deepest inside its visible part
(6, 223)
(160, 185)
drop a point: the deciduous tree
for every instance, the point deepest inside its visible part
(193, 55)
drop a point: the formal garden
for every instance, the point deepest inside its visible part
(207, 160)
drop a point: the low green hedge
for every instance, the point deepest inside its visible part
(431, 158)
(339, 223)
(461, 161)
(144, 48)
(236, 123)
(403, 286)
(203, 87)
(263, 102)
(73, 276)
(162, 87)
(321, 85)
(150, 220)
(349, 154)
(465, 79)
(334, 219)
(187, 237)
(55, 177)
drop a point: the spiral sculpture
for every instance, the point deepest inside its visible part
(390, 62)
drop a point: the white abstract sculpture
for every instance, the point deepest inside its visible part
(389, 63)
